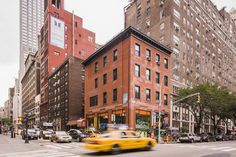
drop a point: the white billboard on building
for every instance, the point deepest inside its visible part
(57, 32)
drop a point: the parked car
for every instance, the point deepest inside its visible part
(45, 134)
(188, 137)
(60, 136)
(32, 135)
(221, 137)
(208, 137)
(116, 141)
(76, 134)
(231, 137)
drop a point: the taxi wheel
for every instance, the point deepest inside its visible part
(149, 146)
(115, 149)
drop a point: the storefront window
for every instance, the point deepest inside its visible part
(118, 117)
(102, 121)
(143, 119)
(90, 121)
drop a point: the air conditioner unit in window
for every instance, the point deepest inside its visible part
(158, 63)
(148, 58)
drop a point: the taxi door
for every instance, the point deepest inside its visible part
(135, 140)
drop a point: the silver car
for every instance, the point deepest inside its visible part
(60, 136)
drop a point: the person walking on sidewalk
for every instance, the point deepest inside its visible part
(166, 138)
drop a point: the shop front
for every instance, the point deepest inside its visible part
(102, 120)
(91, 121)
(118, 116)
(143, 120)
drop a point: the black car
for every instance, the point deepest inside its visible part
(208, 137)
(221, 137)
(32, 134)
(76, 135)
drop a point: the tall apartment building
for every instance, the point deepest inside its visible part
(66, 95)
(31, 21)
(233, 14)
(201, 36)
(126, 80)
(62, 36)
(31, 86)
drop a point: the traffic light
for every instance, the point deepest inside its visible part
(198, 99)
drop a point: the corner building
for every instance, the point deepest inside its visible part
(125, 80)
(62, 36)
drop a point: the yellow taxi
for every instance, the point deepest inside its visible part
(116, 141)
(91, 133)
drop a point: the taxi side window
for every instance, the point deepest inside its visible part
(123, 135)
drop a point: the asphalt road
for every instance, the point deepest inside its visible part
(40, 148)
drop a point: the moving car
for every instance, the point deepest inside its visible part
(208, 137)
(116, 141)
(76, 134)
(91, 133)
(45, 134)
(32, 135)
(60, 136)
(188, 137)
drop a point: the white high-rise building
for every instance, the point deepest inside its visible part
(31, 21)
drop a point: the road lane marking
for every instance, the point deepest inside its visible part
(229, 150)
(220, 148)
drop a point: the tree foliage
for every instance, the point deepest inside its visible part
(217, 103)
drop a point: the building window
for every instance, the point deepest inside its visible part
(115, 55)
(93, 101)
(148, 74)
(166, 63)
(148, 95)
(76, 42)
(96, 67)
(157, 77)
(137, 70)
(177, 14)
(76, 24)
(162, 26)
(115, 94)
(166, 80)
(105, 98)
(104, 61)
(165, 99)
(137, 92)
(157, 97)
(104, 78)
(56, 53)
(96, 83)
(148, 54)
(114, 74)
(137, 49)
(176, 40)
(158, 59)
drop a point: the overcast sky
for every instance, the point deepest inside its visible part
(104, 17)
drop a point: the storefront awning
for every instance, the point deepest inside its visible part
(81, 123)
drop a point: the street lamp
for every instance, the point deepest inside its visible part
(26, 128)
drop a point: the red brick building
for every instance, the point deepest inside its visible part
(62, 36)
(123, 81)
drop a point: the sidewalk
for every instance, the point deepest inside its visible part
(8, 144)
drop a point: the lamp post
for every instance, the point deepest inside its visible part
(26, 128)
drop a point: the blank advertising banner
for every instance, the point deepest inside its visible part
(57, 32)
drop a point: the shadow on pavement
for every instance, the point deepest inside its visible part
(108, 153)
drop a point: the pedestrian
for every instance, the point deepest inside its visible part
(166, 138)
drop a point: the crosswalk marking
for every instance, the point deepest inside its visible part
(229, 150)
(66, 146)
(42, 153)
(220, 148)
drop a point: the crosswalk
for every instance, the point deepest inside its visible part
(41, 153)
(64, 145)
(208, 147)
